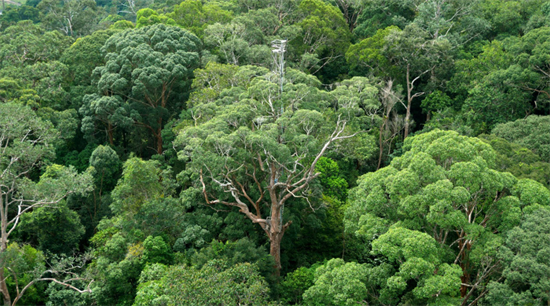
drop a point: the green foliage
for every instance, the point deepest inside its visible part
(13, 14)
(27, 143)
(419, 258)
(147, 17)
(143, 82)
(41, 227)
(195, 16)
(369, 52)
(518, 160)
(333, 184)
(432, 188)
(338, 283)
(216, 283)
(26, 263)
(72, 17)
(84, 55)
(250, 136)
(32, 41)
(187, 87)
(106, 167)
(507, 18)
(59, 295)
(323, 32)
(232, 253)
(525, 260)
(146, 222)
(156, 251)
(531, 132)
(435, 101)
(139, 183)
(296, 283)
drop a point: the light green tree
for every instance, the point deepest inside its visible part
(26, 43)
(257, 151)
(216, 283)
(338, 283)
(445, 185)
(195, 16)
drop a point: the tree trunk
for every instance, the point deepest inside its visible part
(465, 265)
(380, 143)
(159, 143)
(3, 248)
(274, 229)
(159, 137)
(110, 133)
(4, 288)
(409, 102)
(275, 251)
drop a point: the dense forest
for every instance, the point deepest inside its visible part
(275, 152)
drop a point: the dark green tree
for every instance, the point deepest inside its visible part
(526, 269)
(144, 80)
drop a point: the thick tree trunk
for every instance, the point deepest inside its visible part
(275, 232)
(274, 228)
(275, 252)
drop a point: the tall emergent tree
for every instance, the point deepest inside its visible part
(144, 80)
(26, 143)
(255, 149)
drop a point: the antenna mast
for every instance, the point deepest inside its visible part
(279, 48)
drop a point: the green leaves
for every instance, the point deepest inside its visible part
(338, 283)
(143, 82)
(442, 186)
(72, 17)
(400, 245)
(140, 183)
(525, 256)
(215, 283)
(531, 132)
